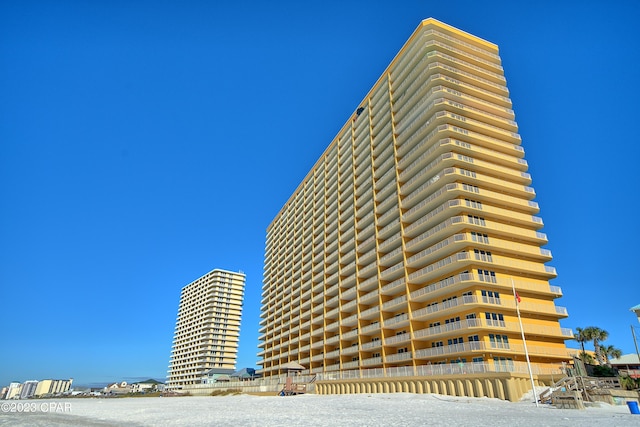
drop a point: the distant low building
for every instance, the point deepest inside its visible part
(217, 375)
(627, 364)
(244, 374)
(80, 391)
(148, 386)
(117, 388)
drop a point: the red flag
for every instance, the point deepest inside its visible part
(517, 297)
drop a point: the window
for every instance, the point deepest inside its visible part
(454, 298)
(465, 158)
(452, 320)
(434, 324)
(458, 129)
(454, 341)
(499, 341)
(476, 220)
(437, 344)
(471, 316)
(463, 144)
(473, 204)
(376, 354)
(487, 276)
(490, 297)
(483, 255)
(503, 364)
(474, 342)
(478, 360)
(479, 237)
(403, 350)
(466, 172)
(495, 319)
(471, 188)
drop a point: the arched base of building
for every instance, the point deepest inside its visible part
(499, 385)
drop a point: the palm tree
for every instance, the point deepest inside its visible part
(586, 358)
(610, 351)
(597, 335)
(581, 338)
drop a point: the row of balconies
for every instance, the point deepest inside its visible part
(464, 49)
(433, 291)
(461, 241)
(402, 320)
(390, 159)
(392, 355)
(441, 71)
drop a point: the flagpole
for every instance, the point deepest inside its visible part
(526, 352)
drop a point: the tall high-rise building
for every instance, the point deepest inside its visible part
(403, 244)
(207, 329)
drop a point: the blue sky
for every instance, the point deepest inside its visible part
(145, 143)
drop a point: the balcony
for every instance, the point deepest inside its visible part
(429, 311)
(351, 334)
(370, 298)
(395, 303)
(350, 321)
(370, 329)
(398, 339)
(398, 320)
(350, 365)
(372, 345)
(371, 361)
(393, 287)
(393, 272)
(370, 313)
(398, 357)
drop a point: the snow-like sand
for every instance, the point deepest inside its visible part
(312, 410)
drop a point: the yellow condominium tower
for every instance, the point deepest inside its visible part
(402, 245)
(207, 328)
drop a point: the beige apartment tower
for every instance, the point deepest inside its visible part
(207, 328)
(402, 246)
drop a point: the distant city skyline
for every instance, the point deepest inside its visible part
(144, 145)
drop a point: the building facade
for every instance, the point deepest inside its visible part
(403, 245)
(52, 387)
(207, 328)
(28, 389)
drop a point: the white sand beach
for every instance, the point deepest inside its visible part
(311, 410)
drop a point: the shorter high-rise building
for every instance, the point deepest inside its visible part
(28, 389)
(13, 391)
(207, 328)
(52, 387)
